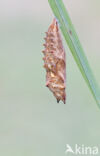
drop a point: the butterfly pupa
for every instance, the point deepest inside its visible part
(55, 62)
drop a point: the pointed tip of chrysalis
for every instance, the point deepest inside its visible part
(58, 100)
(54, 25)
(64, 100)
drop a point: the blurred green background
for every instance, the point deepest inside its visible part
(31, 121)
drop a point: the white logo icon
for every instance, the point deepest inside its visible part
(69, 149)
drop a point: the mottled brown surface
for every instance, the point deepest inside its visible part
(54, 62)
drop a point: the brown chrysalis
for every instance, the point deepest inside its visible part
(54, 62)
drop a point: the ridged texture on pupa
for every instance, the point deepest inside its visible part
(54, 62)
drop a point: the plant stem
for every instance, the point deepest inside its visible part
(75, 47)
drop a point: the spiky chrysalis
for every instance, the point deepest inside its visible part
(55, 62)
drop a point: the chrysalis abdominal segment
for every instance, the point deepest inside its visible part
(54, 62)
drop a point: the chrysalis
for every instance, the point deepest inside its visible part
(54, 62)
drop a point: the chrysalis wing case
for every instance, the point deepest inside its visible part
(54, 62)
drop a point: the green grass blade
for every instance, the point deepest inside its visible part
(73, 42)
